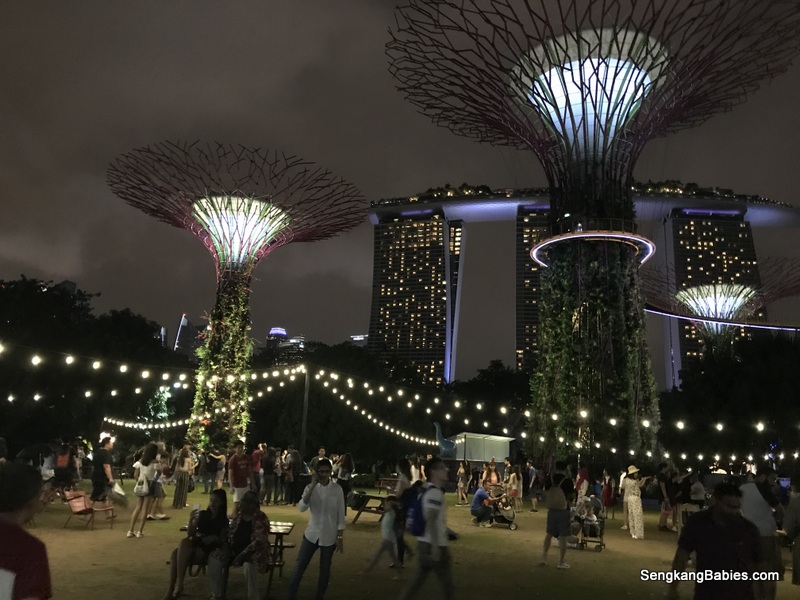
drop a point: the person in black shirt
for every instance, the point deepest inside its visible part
(724, 541)
(208, 529)
(102, 477)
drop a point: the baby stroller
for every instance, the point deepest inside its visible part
(504, 514)
(593, 531)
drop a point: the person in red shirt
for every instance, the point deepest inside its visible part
(255, 466)
(239, 475)
(24, 569)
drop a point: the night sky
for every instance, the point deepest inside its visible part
(82, 82)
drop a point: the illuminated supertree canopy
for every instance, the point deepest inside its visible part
(585, 85)
(242, 203)
(716, 301)
(723, 305)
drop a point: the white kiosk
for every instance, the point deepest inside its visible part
(481, 447)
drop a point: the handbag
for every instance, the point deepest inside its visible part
(117, 494)
(142, 487)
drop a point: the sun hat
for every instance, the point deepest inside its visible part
(632, 469)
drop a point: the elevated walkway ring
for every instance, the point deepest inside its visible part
(643, 247)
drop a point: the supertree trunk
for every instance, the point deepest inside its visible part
(594, 372)
(223, 374)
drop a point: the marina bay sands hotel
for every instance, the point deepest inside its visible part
(703, 236)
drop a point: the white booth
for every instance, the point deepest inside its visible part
(481, 447)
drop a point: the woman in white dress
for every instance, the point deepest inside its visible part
(632, 485)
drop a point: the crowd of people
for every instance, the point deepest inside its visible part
(746, 513)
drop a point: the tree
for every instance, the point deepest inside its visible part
(722, 402)
(61, 398)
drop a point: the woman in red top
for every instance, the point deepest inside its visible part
(608, 495)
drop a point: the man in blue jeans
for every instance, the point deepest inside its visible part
(481, 508)
(325, 529)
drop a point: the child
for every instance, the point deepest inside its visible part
(388, 534)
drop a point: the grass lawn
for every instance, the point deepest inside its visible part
(493, 562)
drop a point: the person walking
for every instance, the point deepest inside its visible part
(325, 531)
(102, 477)
(239, 475)
(404, 478)
(388, 535)
(723, 541)
(558, 496)
(433, 552)
(144, 468)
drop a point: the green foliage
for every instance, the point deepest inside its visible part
(223, 374)
(592, 355)
(57, 320)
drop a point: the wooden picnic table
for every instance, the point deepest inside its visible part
(372, 504)
(280, 529)
(387, 484)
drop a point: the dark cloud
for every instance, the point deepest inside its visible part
(83, 81)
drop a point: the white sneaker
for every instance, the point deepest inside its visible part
(562, 565)
(624, 528)
(129, 534)
(673, 528)
(139, 534)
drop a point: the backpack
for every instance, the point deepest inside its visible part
(356, 499)
(62, 461)
(415, 519)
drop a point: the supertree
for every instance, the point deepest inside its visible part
(585, 85)
(719, 308)
(242, 203)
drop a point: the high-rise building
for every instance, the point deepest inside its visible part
(532, 228)
(419, 261)
(707, 247)
(189, 338)
(416, 292)
(286, 350)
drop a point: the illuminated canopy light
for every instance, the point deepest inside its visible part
(239, 227)
(644, 248)
(586, 102)
(718, 301)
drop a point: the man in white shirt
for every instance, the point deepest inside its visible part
(325, 529)
(433, 553)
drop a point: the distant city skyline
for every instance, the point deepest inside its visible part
(311, 78)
